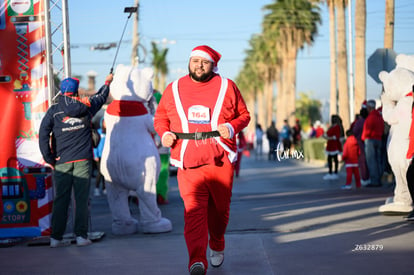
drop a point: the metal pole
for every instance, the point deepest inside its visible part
(350, 59)
(66, 39)
(48, 36)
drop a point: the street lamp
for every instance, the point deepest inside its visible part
(165, 42)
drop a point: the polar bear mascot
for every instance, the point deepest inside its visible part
(130, 159)
(397, 103)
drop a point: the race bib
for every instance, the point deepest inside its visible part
(199, 114)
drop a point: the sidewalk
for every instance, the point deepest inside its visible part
(284, 220)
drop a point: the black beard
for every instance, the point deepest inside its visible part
(203, 78)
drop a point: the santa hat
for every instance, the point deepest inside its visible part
(69, 86)
(364, 104)
(207, 53)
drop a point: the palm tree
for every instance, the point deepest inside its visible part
(343, 88)
(267, 63)
(257, 69)
(250, 82)
(360, 56)
(159, 63)
(333, 107)
(272, 75)
(339, 92)
(295, 24)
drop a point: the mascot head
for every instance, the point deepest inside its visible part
(132, 84)
(399, 82)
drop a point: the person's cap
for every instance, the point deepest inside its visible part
(207, 53)
(69, 86)
(371, 103)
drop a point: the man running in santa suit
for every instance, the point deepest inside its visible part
(199, 116)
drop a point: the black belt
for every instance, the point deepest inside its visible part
(197, 135)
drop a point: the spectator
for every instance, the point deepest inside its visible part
(350, 156)
(357, 131)
(372, 135)
(312, 131)
(259, 141)
(241, 146)
(97, 155)
(333, 147)
(285, 135)
(71, 155)
(342, 131)
(272, 135)
(297, 134)
(319, 131)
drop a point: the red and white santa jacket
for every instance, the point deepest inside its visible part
(333, 145)
(351, 152)
(187, 106)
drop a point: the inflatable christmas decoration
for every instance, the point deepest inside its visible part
(130, 159)
(397, 101)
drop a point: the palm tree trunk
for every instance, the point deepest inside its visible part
(260, 108)
(360, 60)
(268, 87)
(251, 103)
(284, 93)
(291, 104)
(279, 99)
(156, 81)
(163, 81)
(343, 87)
(333, 107)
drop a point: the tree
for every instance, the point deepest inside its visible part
(389, 24)
(308, 110)
(250, 81)
(360, 56)
(343, 87)
(295, 24)
(159, 63)
(333, 108)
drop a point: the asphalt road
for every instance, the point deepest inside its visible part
(284, 220)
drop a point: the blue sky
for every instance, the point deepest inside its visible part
(225, 25)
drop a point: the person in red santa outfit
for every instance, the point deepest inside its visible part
(199, 116)
(333, 147)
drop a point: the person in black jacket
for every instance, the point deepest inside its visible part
(65, 141)
(273, 137)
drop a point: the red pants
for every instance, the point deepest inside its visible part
(206, 192)
(353, 171)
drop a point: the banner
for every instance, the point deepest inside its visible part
(26, 185)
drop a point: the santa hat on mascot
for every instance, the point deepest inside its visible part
(207, 53)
